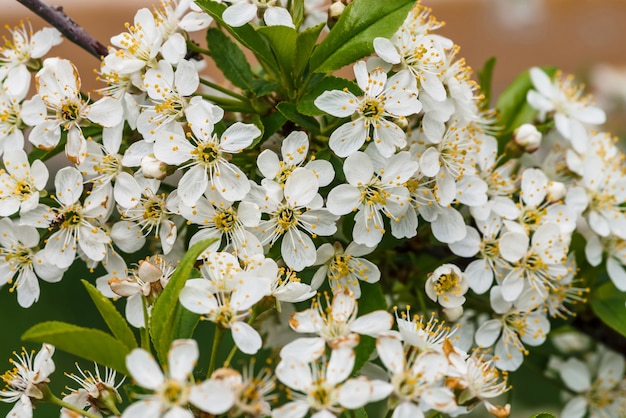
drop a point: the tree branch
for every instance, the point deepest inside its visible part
(72, 31)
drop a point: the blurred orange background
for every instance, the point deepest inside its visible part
(571, 34)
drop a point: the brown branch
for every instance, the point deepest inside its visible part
(72, 31)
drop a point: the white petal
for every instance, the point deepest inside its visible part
(182, 358)
(246, 338)
(337, 103)
(144, 369)
(575, 375)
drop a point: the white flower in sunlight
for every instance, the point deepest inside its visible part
(23, 381)
(241, 12)
(12, 107)
(336, 324)
(294, 150)
(58, 87)
(169, 91)
(21, 183)
(20, 51)
(344, 269)
(207, 156)
(447, 285)
(374, 194)
(571, 111)
(294, 211)
(174, 390)
(20, 257)
(218, 218)
(384, 100)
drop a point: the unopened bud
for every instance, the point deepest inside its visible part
(527, 137)
(556, 191)
(335, 10)
(452, 314)
(153, 168)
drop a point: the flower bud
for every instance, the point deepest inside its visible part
(556, 191)
(527, 137)
(153, 168)
(334, 12)
(453, 314)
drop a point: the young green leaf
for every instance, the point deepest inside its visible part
(543, 415)
(485, 76)
(282, 41)
(114, 320)
(353, 36)
(88, 343)
(304, 47)
(229, 59)
(609, 304)
(164, 313)
(272, 123)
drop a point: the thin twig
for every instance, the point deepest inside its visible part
(72, 31)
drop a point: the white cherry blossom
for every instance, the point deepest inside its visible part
(384, 100)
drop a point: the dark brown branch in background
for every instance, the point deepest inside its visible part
(72, 31)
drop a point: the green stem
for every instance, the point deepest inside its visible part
(217, 339)
(145, 335)
(230, 356)
(53, 399)
(223, 89)
(230, 105)
(195, 48)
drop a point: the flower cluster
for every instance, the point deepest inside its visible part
(307, 194)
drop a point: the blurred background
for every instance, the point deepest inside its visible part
(583, 37)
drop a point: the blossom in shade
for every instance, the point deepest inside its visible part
(20, 182)
(174, 390)
(324, 387)
(21, 262)
(27, 380)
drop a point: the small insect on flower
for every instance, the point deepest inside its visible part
(57, 221)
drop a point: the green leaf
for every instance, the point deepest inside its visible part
(485, 76)
(297, 12)
(290, 111)
(353, 36)
(513, 99)
(164, 313)
(272, 123)
(306, 105)
(186, 322)
(114, 320)
(261, 87)
(88, 343)
(246, 35)
(229, 58)
(304, 47)
(282, 41)
(609, 304)
(543, 415)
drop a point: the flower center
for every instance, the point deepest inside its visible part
(372, 108)
(287, 218)
(23, 188)
(70, 112)
(447, 283)
(207, 153)
(173, 393)
(225, 221)
(373, 195)
(340, 266)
